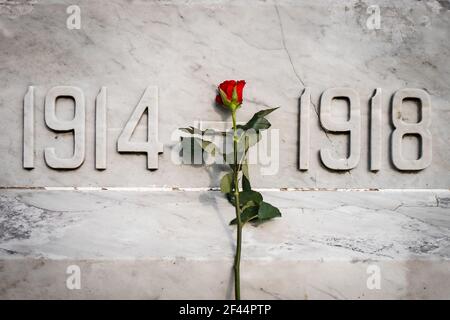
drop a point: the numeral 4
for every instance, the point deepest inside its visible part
(149, 103)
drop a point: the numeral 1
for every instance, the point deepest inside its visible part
(305, 106)
(100, 130)
(375, 131)
(28, 129)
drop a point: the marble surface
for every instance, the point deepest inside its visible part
(134, 234)
(187, 47)
(168, 244)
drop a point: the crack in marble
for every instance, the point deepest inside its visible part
(283, 39)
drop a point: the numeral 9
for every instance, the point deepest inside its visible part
(352, 126)
(76, 125)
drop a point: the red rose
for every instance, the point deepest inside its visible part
(226, 90)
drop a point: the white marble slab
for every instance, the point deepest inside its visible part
(187, 47)
(171, 244)
(136, 243)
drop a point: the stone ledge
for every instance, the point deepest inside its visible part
(170, 244)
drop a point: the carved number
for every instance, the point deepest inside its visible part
(148, 102)
(76, 125)
(152, 146)
(403, 128)
(352, 126)
(303, 151)
(100, 130)
(375, 131)
(28, 129)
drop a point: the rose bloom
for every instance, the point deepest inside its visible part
(228, 87)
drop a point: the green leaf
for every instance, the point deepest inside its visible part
(267, 211)
(265, 112)
(226, 183)
(191, 130)
(250, 195)
(246, 198)
(246, 186)
(230, 197)
(244, 169)
(194, 147)
(206, 145)
(248, 139)
(251, 138)
(258, 122)
(207, 132)
(247, 215)
(209, 147)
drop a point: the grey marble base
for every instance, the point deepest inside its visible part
(136, 244)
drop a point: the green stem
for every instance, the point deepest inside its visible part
(237, 258)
